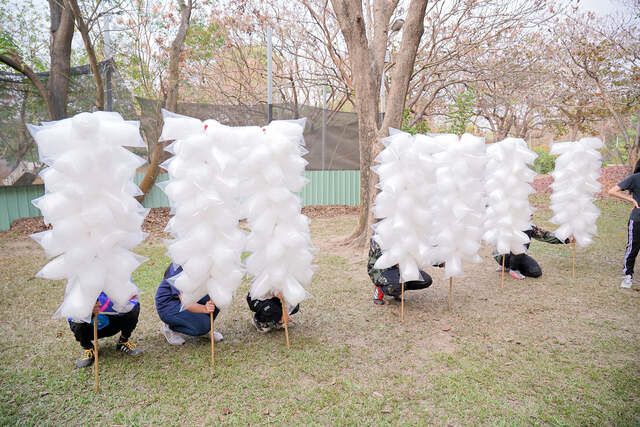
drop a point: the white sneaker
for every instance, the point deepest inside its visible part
(172, 337)
(217, 336)
(627, 282)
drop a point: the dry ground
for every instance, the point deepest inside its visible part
(541, 351)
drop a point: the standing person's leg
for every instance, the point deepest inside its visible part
(633, 247)
(529, 267)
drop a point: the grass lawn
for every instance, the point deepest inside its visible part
(540, 351)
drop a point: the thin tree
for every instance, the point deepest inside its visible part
(54, 91)
(366, 33)
(172, 93)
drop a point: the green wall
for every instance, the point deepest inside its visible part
(324, 188)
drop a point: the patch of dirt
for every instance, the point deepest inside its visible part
(329, 211)
(611, 175)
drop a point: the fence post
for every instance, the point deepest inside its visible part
(324, 121)
(269, 78)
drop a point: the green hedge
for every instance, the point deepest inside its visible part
(545, 162)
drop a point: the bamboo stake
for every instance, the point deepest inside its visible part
(503, 257)
(402, 303)
(573, 261)
(95, 348)
(285, 319)
(450, 292)
(212, 341)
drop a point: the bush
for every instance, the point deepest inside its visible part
(545, 162)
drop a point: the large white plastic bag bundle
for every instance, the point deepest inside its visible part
(508, 185)
(575, 184)
(279, 241)
(459, 204)
(407, 179)
(89, 201)
(202, 190)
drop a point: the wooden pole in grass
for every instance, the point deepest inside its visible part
(285, 319)
(95, 349)
(503, 257)
(450, 292)
(402, 303)
(573, 260)
(212, 341)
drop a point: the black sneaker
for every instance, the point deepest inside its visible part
(128, 347)
(87, 359)
(378, 296)
(262, 327)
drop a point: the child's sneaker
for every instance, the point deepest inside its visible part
(627, 282)
(217, 336)
(262, 327)
(87, 359)
(172, 337)
(499, 268)
(128, 347)
(378, 296)
(516, 274)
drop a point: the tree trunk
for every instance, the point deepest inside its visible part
(60, 50)
(635, 148)
(631, 151)
(367, 56)
(91, 53)
(172, 95)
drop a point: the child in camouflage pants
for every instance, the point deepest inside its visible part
(387, 281)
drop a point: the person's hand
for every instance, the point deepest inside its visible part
(209, 307)
(635, 204)
(572, 239)
(96, 309)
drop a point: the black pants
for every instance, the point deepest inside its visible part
(633, 246)
(394, 287)
(124, 323)
(268, 310)
(525, 264)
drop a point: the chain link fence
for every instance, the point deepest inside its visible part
(331, 136)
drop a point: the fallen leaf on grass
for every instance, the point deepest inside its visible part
(386, 411)
(376, 394)
(43, 393)
(226, 411)
(333, 382)
(446, 328)
(394, 313)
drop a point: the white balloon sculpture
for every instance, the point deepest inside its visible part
(89, 201)
(508, 185)
(280, 241)
(202, 189)
(407, 180)
(459, 214)
(575, 183)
